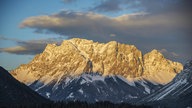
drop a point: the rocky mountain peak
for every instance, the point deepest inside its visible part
(154, 51)
(154, 54)
(160, 69)
(76, 56)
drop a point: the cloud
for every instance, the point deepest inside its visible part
(69, 1)
(169, 54)
(178, 8)
(108, 5)
(152, 6)
(112, 35)
(21, 50)
(97, 26)
(11, 39)
(30, 47)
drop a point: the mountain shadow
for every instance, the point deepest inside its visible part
(13, 93)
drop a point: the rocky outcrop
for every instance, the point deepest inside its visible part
(76, 56)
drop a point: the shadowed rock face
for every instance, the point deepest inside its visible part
(13, 92)
(92, 87)
(76, 56)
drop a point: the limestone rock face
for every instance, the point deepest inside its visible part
(159, 69)
(76, 56)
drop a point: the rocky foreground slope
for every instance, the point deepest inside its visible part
(76, 56)
(12, 92)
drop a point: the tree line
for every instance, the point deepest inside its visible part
(76, 104)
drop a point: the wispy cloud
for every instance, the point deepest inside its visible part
(108, 6)
(5, 38)
(169, 54)
(69, 1)
(30, 47)
(152, 6)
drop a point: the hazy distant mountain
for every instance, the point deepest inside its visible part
(13, 92)
(48, 71)
(178, 93)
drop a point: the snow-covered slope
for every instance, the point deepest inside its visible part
(93, 87)
(76, 56)
(179, 90)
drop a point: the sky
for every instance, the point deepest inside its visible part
(27, 26)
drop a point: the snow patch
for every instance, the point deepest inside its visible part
(70, 96)
(98, 90)
(131, 83)
(98, 78)
(92, 78)
(67, 80)
(114, 78)
(82, 82)
(81, 91)
(48, 94)
(170, 89)
(145, 86)
(130, 96)
(40, 87)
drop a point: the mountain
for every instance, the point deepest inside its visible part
(76, 56)
(93, 87)
(51, 69)
(177, 93)
(13, 92)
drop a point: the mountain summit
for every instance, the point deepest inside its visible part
(76, 56)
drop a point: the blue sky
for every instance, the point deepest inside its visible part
(148, 24)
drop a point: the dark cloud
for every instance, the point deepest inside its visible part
(69, 1)
(137, 5)
(85, 25)
(31, 47)
(180, 9)
(108, 5)
(152, 6)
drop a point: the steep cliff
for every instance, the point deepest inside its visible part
(76, 56)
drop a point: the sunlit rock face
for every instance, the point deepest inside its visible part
(76, 56)
(159, 69)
